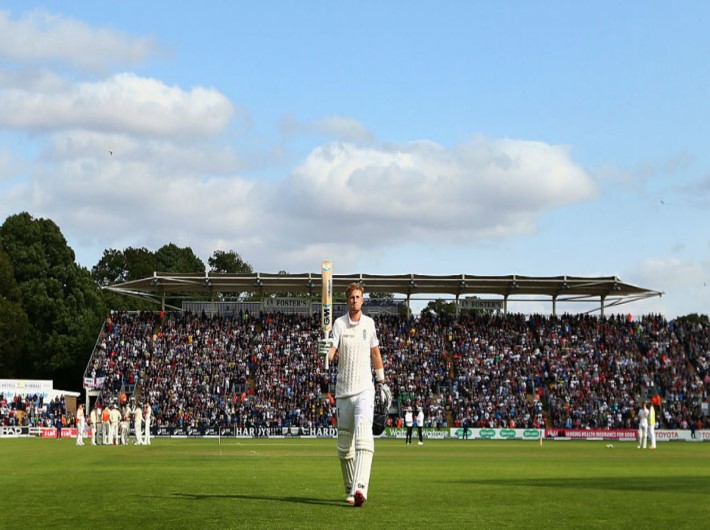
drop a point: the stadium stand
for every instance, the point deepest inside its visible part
(34, 411)
(492, 370)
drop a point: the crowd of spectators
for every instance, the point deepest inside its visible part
(487, 370)
(34, 411)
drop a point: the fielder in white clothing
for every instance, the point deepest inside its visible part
(643, 426)
(146, 422)
(95, 419)
(138, 423)
(125, 425)
(80, 425)
(355, 341)
(115, 419)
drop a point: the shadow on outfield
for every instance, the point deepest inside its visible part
(646, 484)
(296, 500)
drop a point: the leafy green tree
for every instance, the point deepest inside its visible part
(171, 258)
(117, 266)
(228, 262)
(63, 304)
(140, 263)
(694, 318)
(14, 324)
(439, 307)
(111, 268)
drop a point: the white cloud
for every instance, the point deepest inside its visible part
(118, 204)
(123, 103)
(481, 189)
(96, 151)
(32, 80)
(42, 37)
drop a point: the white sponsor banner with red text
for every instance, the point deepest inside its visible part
(626, 435)
(591, 434)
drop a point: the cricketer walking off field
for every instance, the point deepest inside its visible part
(355, 341)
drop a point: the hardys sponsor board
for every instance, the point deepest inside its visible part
(246, 432)
(496, 434)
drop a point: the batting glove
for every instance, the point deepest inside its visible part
(324, 346)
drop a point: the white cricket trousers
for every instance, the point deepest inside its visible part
(643, 435)
(355, 439)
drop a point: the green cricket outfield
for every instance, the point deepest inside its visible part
(295, 483)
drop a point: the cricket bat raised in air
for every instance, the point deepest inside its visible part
(326, 306)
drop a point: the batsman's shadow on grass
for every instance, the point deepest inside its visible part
(683, 484)
(271, 498)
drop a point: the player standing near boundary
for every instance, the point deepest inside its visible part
(643, 426)
(420, 422)
(652, 424)
(409, 424)
(80, 425)
(355, 341)
(138, 423)
(146, 421)
(94, 415)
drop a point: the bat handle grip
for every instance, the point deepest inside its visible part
(326, 350)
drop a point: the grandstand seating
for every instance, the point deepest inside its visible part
(576, 371)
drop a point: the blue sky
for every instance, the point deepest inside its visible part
(532, 138)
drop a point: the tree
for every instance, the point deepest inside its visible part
(110, 269)
(228, 262)
(14, 324)
(439, 308)
(171, 258)
(117, 266)
(140, 263)
(694, 318)
(63, 304)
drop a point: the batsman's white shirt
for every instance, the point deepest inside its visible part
(354, 342)
(643, 418)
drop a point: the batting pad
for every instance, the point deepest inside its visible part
(345, 444)
(363, 436)
(346, 452)
(348, 469)
(364, 451)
